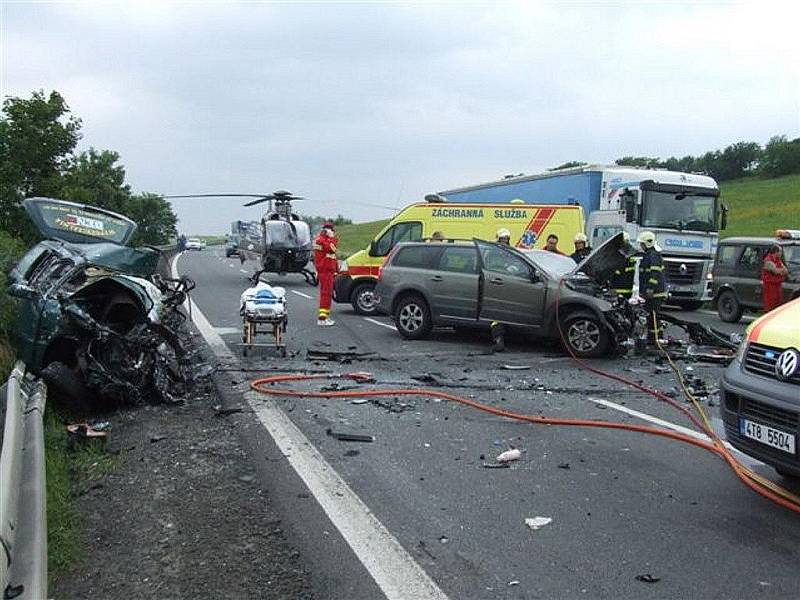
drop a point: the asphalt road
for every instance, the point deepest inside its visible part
(622, 504)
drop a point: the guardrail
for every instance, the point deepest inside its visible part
(23, 511)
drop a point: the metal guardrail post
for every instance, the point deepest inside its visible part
(23, 509)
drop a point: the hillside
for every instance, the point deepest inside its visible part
(760, 206)
(357, 236)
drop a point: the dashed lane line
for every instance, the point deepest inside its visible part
(302, 294)
(392, 327)
(394, 570)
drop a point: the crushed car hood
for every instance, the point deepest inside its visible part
(140, 262)
(78, 223)
(611, 255)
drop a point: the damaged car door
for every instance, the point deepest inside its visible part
(511, 290)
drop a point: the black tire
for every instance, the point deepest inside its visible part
(363, 299)
(729, 308)
(585, 335)
(689, 305)
(66, 388)
(412, 317)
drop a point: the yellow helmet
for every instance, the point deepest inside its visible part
(648, 238)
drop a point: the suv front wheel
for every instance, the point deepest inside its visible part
(413, 317)
(585, 335)
(729, 308)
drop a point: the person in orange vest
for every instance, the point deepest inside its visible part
(773, 274)
(326, 265)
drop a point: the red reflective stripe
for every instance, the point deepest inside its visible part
(362, 271)
(539, 221)
(754, 335)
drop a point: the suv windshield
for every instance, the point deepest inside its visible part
(554, 265)
(688, 212)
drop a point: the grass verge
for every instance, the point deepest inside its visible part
(760, 206)
(71, 471)
(357, 236)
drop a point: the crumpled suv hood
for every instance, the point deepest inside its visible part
(611, 255)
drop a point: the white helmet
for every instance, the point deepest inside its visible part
(581, 237)
(648, 238)
(503, 233)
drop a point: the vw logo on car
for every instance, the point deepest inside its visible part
(787, 364)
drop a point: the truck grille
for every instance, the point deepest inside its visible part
(761, 360)
(692, 273)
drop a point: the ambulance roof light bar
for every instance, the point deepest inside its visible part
(787, 234)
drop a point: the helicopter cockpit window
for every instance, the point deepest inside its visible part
(303, 232)
(401, 232)
(279, 233)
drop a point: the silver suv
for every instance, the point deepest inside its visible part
(474, 284)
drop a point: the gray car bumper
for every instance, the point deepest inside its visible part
(763, 400)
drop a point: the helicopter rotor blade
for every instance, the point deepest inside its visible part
(218, 196)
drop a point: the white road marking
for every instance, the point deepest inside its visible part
(302, 294)
(230, 265)
(227, 330)
(211, 336)
(394, 570)
(673, 426)
(392, 327)
(243, 271)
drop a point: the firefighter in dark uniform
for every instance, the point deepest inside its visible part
(582, 249)
(652, 283)
(621, 280)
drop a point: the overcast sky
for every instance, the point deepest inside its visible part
(355, 104)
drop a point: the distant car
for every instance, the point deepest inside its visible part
(760, 391)
(194, 244)
(737, 273)
(473, 284)
(231, 248)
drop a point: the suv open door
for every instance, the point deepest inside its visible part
(78, 223)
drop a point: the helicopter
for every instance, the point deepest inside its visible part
(281, 242)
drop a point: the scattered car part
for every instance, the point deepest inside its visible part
(349, 437)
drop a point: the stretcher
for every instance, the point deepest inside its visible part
(263, 311)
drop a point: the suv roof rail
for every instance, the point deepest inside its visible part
(445, 240)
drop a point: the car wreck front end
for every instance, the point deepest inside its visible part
(97, 320)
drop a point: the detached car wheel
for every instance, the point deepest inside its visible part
(65, 387)
(413, 318)
(363, 299)
(729, 308)
(585, 335)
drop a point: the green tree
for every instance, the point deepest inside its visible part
(157, 223)
(780, 157)
(36, 137)
(569, 165)
(93, 177)
(639, 161)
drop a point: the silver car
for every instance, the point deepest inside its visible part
(476, 283)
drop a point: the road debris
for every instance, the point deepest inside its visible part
(648, 578)
(536, 523)
(496, 466)
(516, 367)
(219, 411)
(157, 438)
(359, 401)
(508, 456)
(349, 437)
(341, 357)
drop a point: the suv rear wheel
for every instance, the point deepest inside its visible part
(363, 299)
(413, 317)
(585, 334)
(729, 308)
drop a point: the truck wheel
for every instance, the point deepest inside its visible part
(585, 335)
(363, 299)
(729, 308)
(413, 317)
(689, 304)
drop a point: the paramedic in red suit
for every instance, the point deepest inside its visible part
(773, 274)
(326, 265)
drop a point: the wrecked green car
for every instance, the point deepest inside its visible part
(96, 318)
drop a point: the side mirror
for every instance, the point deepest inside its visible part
(20, 290)
(534, 276)
(724, 219)
(630, 209)
(373, 248)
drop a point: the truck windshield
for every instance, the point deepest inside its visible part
(679, 211)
